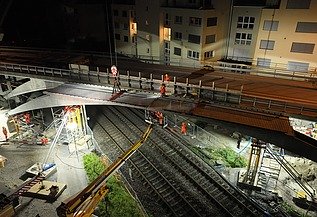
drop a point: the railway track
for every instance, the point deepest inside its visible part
(206, 180)
(170, 196)
(187, 185)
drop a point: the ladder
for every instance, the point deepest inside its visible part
(270, 168)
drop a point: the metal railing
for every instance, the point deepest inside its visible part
(224, 97)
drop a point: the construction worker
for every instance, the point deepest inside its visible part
(166, 77)
(27, 118)
(159, 116)
(163, 90)
(184, 128)
(44, 140)
(5, 133)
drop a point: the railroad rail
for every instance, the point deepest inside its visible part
(176, 202)
(213, 199)
(204, 178)
(205, 93)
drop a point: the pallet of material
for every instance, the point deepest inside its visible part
(46, 190)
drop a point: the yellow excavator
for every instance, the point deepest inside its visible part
(84, 203)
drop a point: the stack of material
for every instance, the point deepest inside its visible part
(2, 161)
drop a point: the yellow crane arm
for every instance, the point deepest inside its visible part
(84, 202)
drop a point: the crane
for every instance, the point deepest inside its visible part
(84, 202)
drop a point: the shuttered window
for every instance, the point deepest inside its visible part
(298, 4)
(306, 27)
(298, 47)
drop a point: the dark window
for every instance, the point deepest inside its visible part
(177, 51)
(124, 14)
(178, 20)
(117, 36)
(245, 22)
(194, 38)
(125, 38)
(209, 54)
(125, 26)
(270, 25)
(115, 13)
(212, 21)
(195, 21)
(298, 4)
(210, 39)
(267, 44)
(298, 47)
(307, 27)
(116, 25)
(178, 36)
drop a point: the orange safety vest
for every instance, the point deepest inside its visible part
(162, 90)
(184, 128)
(5, 132)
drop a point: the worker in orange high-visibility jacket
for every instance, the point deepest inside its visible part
(166, 77)
(184, 128)
(5, 133)
(27, 118)
(159, 116)
(163, 90)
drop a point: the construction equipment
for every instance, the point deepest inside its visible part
(84, 203)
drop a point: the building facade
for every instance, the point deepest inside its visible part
(279, 34)
(175, 32)
(287, 36)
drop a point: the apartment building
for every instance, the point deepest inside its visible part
(244, 26)
(287, 36)
(174, 32)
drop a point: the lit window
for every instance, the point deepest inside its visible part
(263, 62)
(193, 54)
(243, 38)
(146, 22)
(245, 22)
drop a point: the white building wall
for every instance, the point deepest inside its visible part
(286, 34)
(241, 46)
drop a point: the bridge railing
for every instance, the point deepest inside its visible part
(226, 97)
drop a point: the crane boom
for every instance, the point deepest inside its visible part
(84, 202)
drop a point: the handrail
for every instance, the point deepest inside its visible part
(293, 173)
(231, 98)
